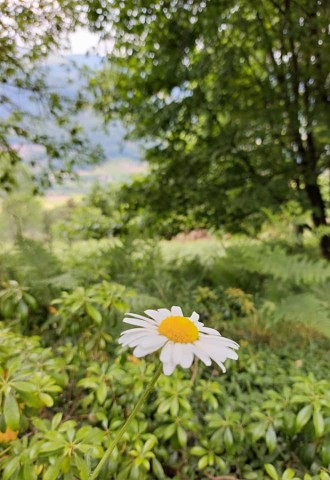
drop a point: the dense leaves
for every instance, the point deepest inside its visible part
(38, 126)
(234, 97)
(62, 404)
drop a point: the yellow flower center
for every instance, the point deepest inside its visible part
(179, 329)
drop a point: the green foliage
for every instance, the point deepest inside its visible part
(93, 310)
(20, 214)
(234, 100)
(30, 377)
(267, 413)
(33, 113)
(289, 288)
(84, 222)
(66, 400)
(16, 301)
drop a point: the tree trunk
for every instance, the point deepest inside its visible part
(318, 214)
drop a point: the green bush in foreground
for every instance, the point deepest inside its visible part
(269, 415)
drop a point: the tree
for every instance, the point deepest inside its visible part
(32, 113)
(234, 97)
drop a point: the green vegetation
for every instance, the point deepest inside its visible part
(235, 99)
(66, 386)
(40, 135)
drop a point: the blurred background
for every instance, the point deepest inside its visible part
(158, 153)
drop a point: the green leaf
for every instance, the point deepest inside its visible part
(203, 462)
(87, 383)
(174, 407)
(271, 471)
(46, 399)
(326, 454)
(258, 430)
(169, 431)
(101, 393)
(94, 313)
(228, 438)
(82, 467)
(30, 300)
(51, 447)
(158, 469)
(149, 444)
(198, 451)
(288, 474)
(271, 439)
(324, 475)
(53, 471)
(318, 422)
(3, 425)
(11, 412)
(22, 386)
(56, 420)
(10, 468)
(29, 471)
(23, 310)
(182, 436)
(303, 417)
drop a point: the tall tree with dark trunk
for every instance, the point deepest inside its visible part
(233, 95)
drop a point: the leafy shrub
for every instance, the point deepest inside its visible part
(30, 378)
(83, 223)
(62, 405)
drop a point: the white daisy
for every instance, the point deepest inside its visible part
(179, 337)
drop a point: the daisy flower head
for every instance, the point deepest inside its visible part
(180, 338)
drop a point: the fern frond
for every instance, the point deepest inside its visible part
(297, 269)
(306, 308)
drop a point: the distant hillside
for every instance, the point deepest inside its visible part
(123, 158)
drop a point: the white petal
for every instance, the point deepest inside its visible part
(194, 317)
(131, 330)
(231, 354)
(137, 331)
(139, 352)
(168, 368)
(141, 323)
(142, 352)
(218, 341)
(210, 331)
(219, 355)
(165, 312)
(150, 340)
(166, 353)
(141, 317)
(201, 355)
(177, 354)
(157, 315)
(154, 315)
(187, 355)
(132, 341)
(176, 312)
(221, 365)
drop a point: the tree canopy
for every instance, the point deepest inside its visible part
(33, 112)
(233, 96)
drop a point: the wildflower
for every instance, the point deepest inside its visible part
(179, 337)
(8, 436)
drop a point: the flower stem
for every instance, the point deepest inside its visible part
(94, 475)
